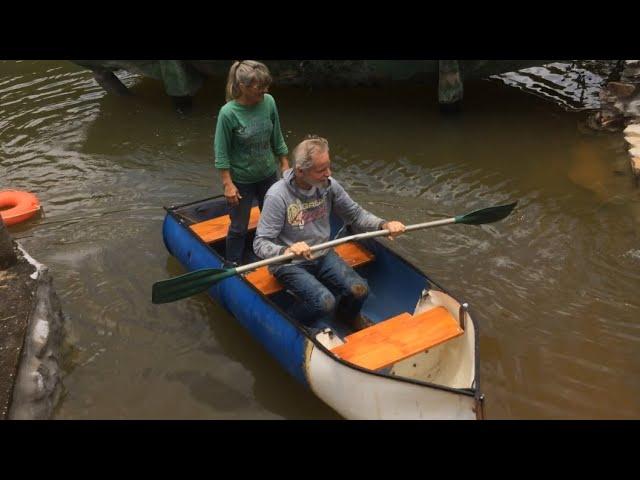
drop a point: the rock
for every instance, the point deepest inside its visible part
(620, 89)
(603, 121)
(635, 152)
(635, 165)
(632, 130)
(633, 108)
(631, 71)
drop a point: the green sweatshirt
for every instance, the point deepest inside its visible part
(248, 139)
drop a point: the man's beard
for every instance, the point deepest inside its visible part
(318, 183)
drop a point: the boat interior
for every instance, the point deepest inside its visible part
(407, 320)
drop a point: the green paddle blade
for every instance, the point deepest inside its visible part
(486, 215)
(188, 284)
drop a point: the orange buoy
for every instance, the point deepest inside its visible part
(21, 206)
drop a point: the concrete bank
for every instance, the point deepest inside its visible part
(31, 333)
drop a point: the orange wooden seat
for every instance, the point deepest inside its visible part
(217, 228)
(352, 253)
(398, 338)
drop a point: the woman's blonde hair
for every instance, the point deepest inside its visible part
(246, 72)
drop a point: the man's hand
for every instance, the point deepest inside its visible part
(232, 194)
(300, 249)
(395, 228)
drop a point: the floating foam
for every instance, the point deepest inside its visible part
(633, 254)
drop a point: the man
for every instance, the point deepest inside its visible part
(295, 216)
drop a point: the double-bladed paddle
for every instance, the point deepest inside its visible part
(197, 281)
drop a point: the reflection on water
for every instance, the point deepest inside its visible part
(554, 286)
(572, 86)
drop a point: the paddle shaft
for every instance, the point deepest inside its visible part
(339, 241)
(199, 280)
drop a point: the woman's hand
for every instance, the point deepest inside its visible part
(395, 228)
(300, 249)
(232, 194)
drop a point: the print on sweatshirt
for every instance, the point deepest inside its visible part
(299, 214)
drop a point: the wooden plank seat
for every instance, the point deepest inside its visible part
(217, 228)
(352, 253)
(397, 338)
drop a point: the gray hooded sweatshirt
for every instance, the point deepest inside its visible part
(291, 215)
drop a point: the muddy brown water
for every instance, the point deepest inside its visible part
(555, 286)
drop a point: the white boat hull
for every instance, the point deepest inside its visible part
(359, 394)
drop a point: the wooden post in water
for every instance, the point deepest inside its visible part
(7, 254)
(450, 87)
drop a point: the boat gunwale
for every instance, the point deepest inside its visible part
(474, 391)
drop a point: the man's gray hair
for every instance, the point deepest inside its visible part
(305, 149)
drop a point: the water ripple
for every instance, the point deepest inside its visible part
(553, 286)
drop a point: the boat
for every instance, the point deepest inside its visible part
(419, 359)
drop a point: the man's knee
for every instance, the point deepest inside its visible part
(360, 290)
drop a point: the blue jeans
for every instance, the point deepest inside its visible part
(240, 215)
(322, 285)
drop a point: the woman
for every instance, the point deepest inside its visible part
(247, 140)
